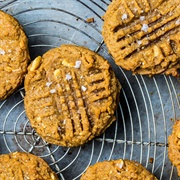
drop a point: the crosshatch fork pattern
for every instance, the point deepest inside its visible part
(147, 108)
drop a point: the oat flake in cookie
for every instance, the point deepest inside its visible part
(174, 146)
(23, 166)
(14, 54)
(144, 36)
(71, 95)
(117, 170)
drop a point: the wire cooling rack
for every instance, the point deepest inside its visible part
(146, 112)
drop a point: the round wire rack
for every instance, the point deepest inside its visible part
(147, 110)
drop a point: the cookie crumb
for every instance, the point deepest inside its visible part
(90, 20)
(78, 64)
(124, 17)
(52, 91)
(151, 160)
(83, 88)
(48, 84)
(2, 52)
(68, 77)
(145, 27)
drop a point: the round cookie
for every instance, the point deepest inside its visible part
(14, 55)
(117, 169)
(21, 166)
(144, 36)
(71, 95)
(174, 146)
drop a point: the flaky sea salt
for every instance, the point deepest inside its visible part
(2, 52)
(177, 22)
(68, 77)
(78, 64)
(142, 18)
(83, 88)
(52, 91)
(48, 84)
(124, 16)
(139, 43)
(145, 27)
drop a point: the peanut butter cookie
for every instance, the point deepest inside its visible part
(117, 169)
(174, 146)
(14, 54)
(71, 95)
(144, 36)
(22, 166)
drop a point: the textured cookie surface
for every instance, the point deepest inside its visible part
(71, 95)
(23, 166)
(117, 169)
(14, 54)
(174, 146)
(144, 35)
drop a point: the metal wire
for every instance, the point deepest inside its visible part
(144, 112)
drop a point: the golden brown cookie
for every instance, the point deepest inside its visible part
(174, 146)
(144, 36)
(117, 169)
(14, 54)
(71, 95)
(23, 166)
